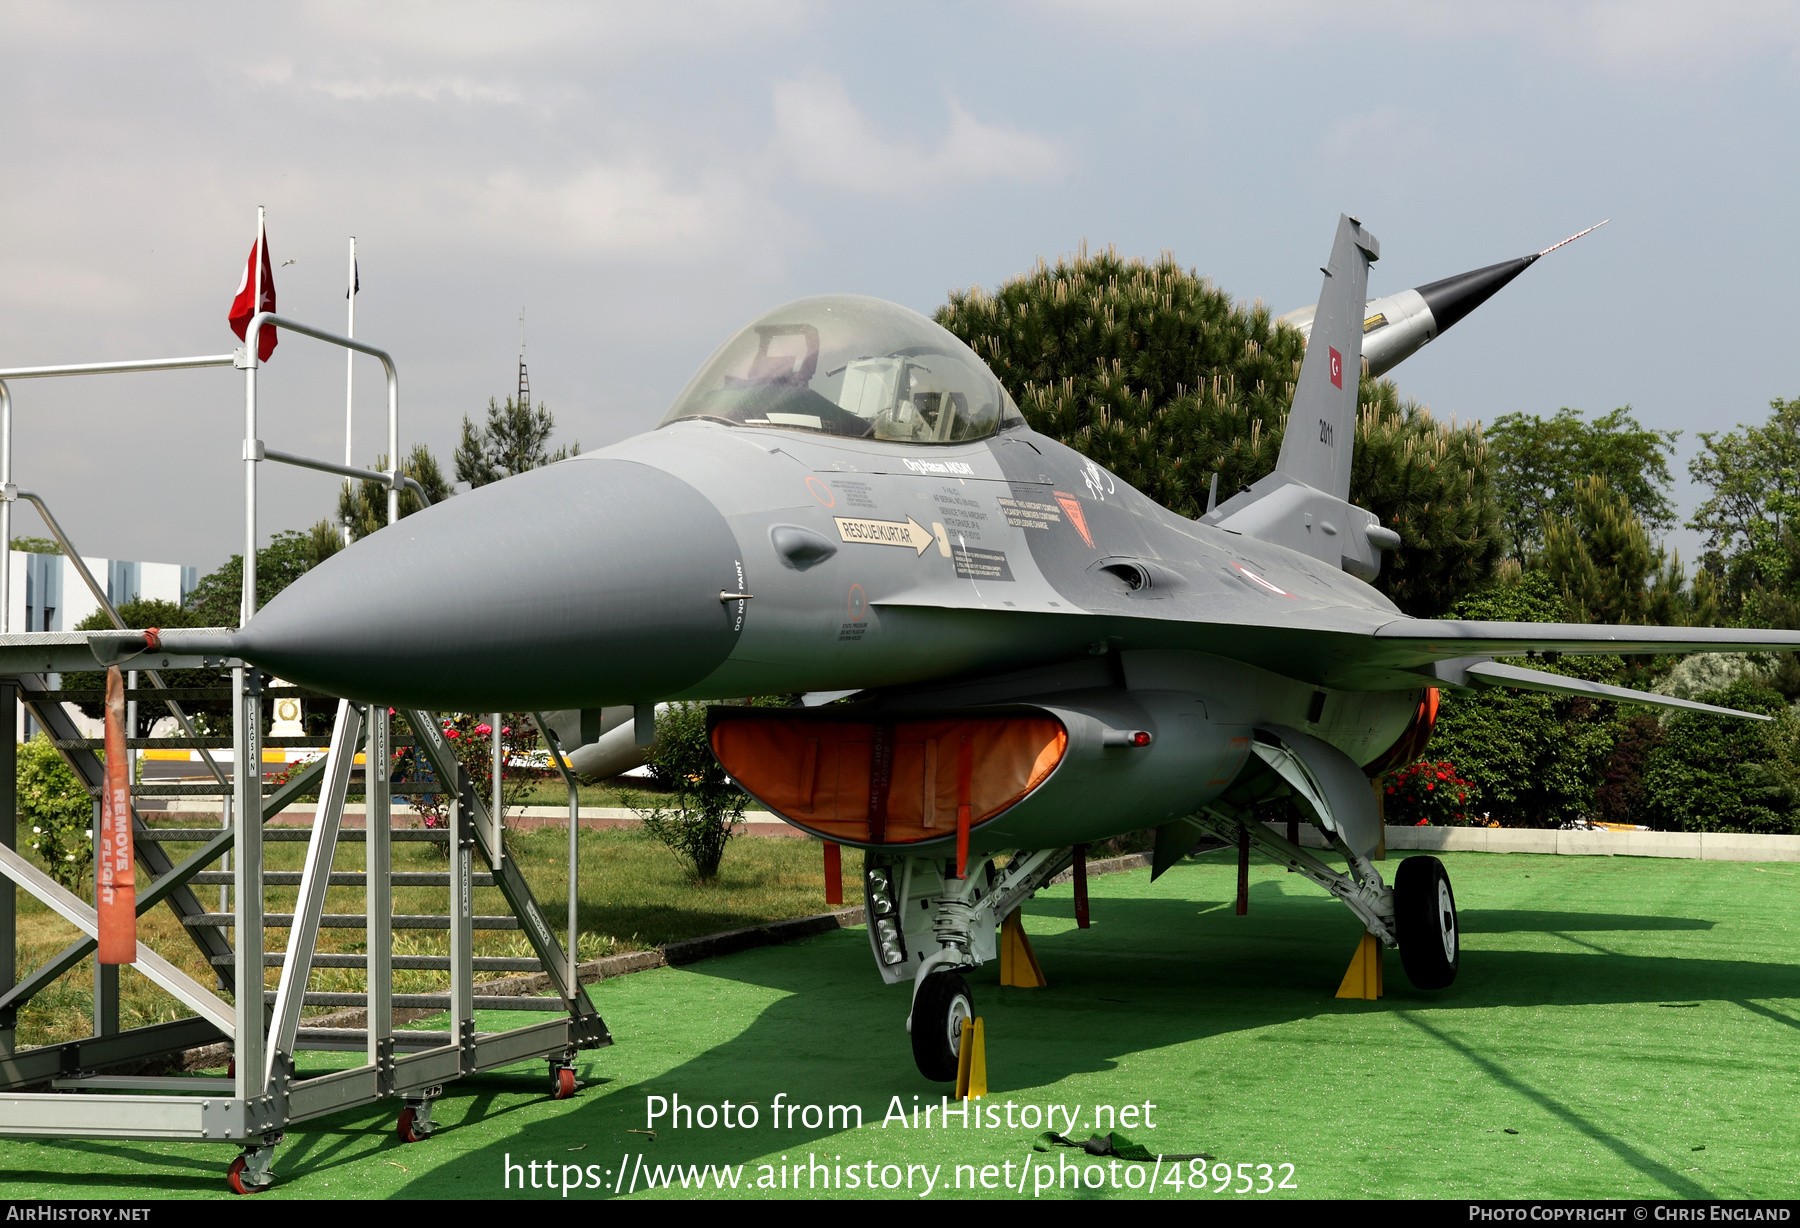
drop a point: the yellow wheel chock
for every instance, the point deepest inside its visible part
(1363, 978)
(1018, 965)
(971, 1062)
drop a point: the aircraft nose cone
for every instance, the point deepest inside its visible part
(590, 582)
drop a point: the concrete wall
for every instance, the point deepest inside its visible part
(1703, 846)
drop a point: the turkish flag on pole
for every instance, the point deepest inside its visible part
(115, 875)
(241, 309)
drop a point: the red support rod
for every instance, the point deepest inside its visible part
(834, 874)
(1243, 900)
(1081, 896)
(965, 789)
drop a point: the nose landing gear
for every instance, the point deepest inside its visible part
(943, 1002)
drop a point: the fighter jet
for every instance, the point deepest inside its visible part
(845, 499)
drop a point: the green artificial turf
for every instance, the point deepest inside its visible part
(1620, 1028)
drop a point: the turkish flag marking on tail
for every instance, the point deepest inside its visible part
(1337, 366)
(115, 877)
(241, 309)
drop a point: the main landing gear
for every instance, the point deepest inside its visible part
(1425, 923)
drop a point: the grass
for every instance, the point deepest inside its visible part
(633, 896)
(1621, 1028)
(625, 792)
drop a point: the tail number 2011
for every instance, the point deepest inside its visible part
(1325, 432)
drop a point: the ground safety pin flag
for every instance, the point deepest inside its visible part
(115, 881)
(241, 308)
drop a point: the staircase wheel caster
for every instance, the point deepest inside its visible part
(403, 1129)
(562, 1083)
(240, 1181)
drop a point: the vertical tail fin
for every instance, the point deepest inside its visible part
(1321, 428)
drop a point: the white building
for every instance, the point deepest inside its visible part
(48, 593)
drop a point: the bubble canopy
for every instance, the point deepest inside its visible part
(842, 364)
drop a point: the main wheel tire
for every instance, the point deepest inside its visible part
(1425, 921)
(943, 1003)
(403, 1129)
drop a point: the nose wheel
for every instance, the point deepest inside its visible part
(1425, 923)
(940, 1007)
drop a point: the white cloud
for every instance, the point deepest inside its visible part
(459, 88)
(823, 134)
(1622, 34)
(595, 29)
(605, 210)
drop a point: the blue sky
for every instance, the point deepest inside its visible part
(643, 179)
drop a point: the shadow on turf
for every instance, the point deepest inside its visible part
(1150, 974)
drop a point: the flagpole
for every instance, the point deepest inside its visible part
(252, 343)
(350, 380)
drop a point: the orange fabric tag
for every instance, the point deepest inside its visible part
(115, 876)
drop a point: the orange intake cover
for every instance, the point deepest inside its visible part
(886, 782)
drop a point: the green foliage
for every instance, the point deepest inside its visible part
(363, 505)
(1156, 374)
(323, 540)
(1749, 519)
(218, 598)
(1539, 461)
(1716, 773)
(514, 439)
(139, 615)
(707, 805)
(37, 545)
(1534, 760)
(1601, 557)
(1430, 482)
(57, 808)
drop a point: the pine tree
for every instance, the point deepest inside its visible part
(364, 504)
(1609, 571)
(1156, 374)
(515, 438)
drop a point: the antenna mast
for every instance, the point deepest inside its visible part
(524, 401)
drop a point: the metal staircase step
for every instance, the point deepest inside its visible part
(354, 921)
(431, 1001)
(353, 835)
(416, 963)
(339, 878)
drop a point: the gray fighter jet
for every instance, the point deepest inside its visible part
(844, 498)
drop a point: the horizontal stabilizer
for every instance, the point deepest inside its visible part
(1494, 674)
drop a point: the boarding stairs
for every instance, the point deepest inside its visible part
(265, 1090)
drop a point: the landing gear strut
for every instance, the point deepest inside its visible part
(940, 1007)
(1425, 923)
